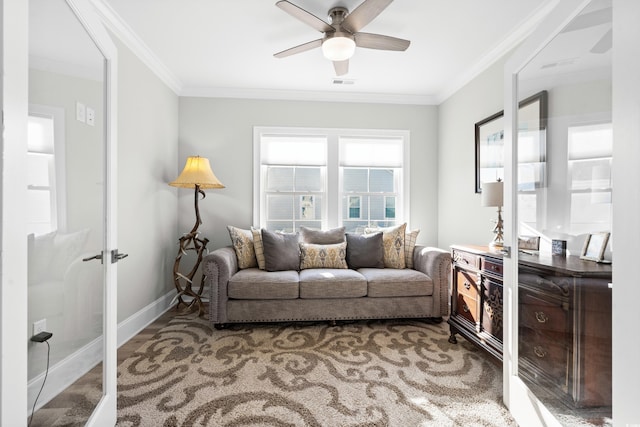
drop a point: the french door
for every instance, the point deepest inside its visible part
(71, 195)
(559, 352)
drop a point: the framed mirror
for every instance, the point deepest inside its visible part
(489, 144)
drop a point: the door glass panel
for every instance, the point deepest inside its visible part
(65, 168)
(564, 198)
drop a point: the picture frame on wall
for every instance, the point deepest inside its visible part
(489, 145)
(594, 246)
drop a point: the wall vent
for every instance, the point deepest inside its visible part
(343, 82)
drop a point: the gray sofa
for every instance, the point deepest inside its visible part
(254, 295)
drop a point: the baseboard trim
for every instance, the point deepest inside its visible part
(70, 369)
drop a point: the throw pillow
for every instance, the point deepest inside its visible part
(365, 250)
(410, 239)
(323, 256)
(393, 242)
(257, 246)
(322, 237)
(281, 251)
(242, 241)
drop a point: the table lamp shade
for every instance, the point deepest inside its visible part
(197, 171)
(492, 194)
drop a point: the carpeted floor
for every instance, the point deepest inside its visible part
(367, 373)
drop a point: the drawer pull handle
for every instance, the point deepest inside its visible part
(541, 317)
(467, 285)
(465, 307)
(539, 351)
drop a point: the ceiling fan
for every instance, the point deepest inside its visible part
(342, 33)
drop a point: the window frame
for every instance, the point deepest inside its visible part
(332, 210)
(58, 187)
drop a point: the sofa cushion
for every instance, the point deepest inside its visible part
(281, 251)
(390, 282)
(242, 241)
(323, 256)
(365, 250)
(332, 283)
(253, 283)
(393, 242)
(322, 237)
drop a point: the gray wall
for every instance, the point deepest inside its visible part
(222, 130)
(461, 218)
(147, 206)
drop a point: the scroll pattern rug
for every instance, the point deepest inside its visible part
(366, 373)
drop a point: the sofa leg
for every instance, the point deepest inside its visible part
(435, 320)
(219, 326)
(333, 323)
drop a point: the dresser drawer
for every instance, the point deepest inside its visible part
(466, 283)
(466, 259)
(544, 315)
(467, 307)
(492, 266)
(547, 352)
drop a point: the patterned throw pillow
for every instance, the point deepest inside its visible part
(323, 256)
(242, 241)
(410, 239)
(258, 247)
(393, 243)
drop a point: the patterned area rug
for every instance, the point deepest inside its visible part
(366, 373)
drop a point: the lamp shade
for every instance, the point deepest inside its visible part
(197, 171)
(492, 194)
(338, 48)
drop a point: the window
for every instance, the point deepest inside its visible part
(323, 178)
(45, 179)
(590, 154)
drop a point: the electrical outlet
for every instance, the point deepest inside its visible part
(39, 326)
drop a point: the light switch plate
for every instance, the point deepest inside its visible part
(80, 112)
(91, 116)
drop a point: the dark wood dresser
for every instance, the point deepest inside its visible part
(476, 297)
(564, 319)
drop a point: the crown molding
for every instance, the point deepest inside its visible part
(121, 29)
(523, 30)
(299, 95)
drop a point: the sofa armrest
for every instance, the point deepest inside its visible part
(218, 267)
(435, 263)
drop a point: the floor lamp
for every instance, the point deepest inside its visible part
(197, 174)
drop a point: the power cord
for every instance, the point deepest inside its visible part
(41, 337)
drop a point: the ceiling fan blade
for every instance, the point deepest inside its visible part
(363, 14)
(378, 41)
(304, 16)
(590, 19)
(299, 49)
(604, 44)
(341, 67)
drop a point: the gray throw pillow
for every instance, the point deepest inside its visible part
(365, 250)
(322, 237)
(281, 251)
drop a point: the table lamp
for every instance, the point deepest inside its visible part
(492, 197)
(197, 174)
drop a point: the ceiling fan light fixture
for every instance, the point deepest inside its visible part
(338, 48)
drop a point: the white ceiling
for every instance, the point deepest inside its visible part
(226, 47)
